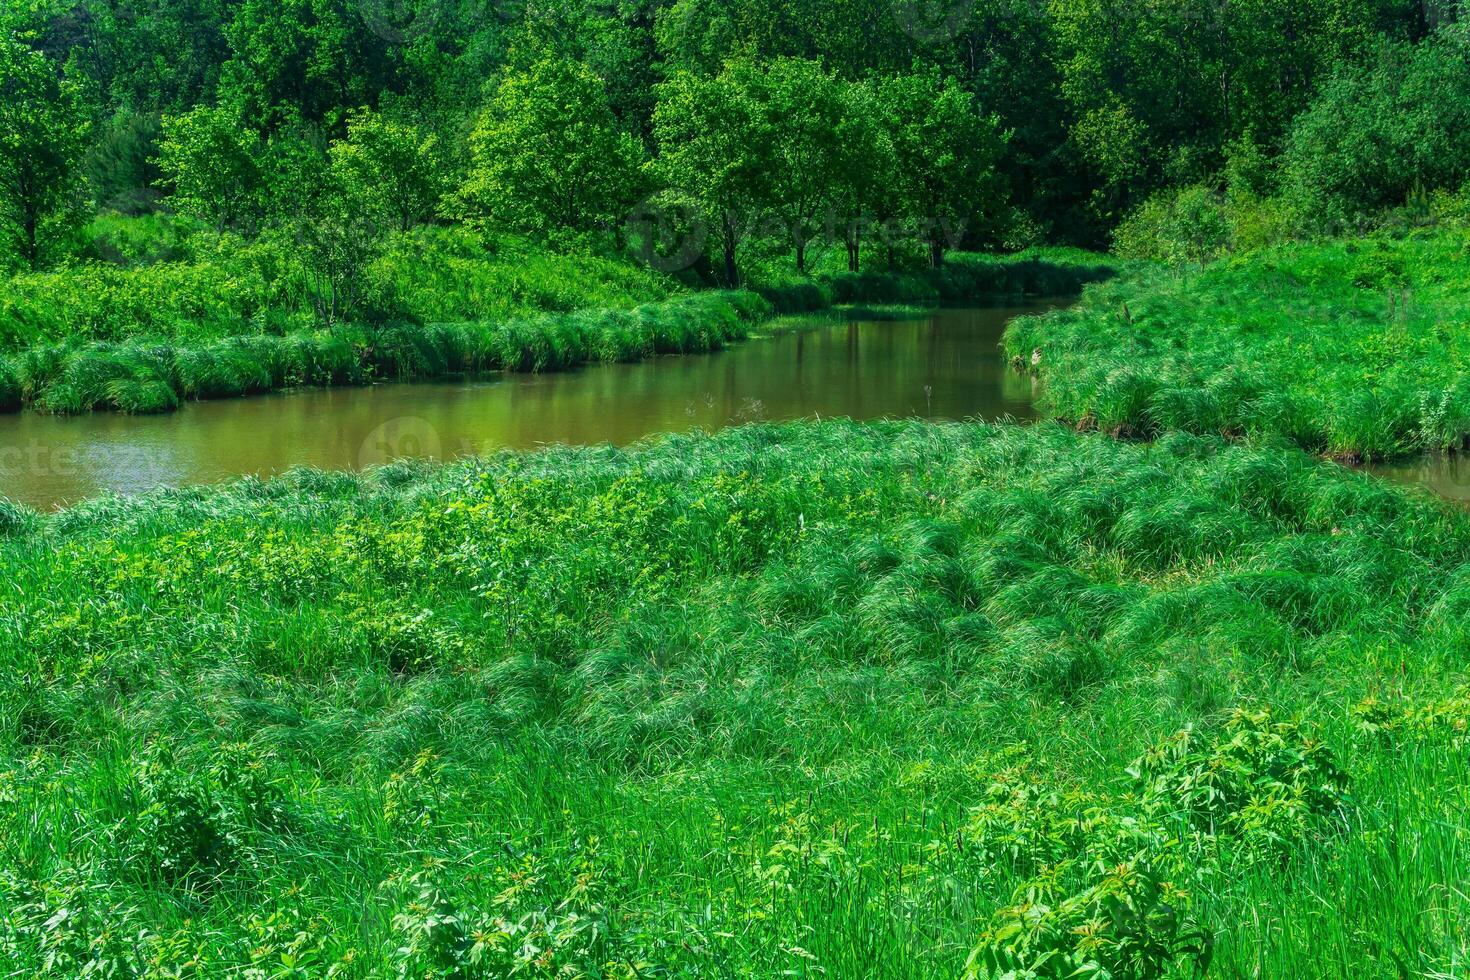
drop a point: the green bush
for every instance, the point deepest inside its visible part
(1190, 226)
(1379, 133)
(1272, 784)
(189, 824)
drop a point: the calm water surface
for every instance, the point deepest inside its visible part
(1448, 476)
(946, 366)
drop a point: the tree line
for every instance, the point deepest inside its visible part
(983, 122)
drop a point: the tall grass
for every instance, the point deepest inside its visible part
(1351, 348)
(890, 700)
(527, 311)
(151, 377)
(201, 287)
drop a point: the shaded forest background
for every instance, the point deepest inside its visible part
(986, 125)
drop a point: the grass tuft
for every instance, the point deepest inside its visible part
(917, 700)
(1308, 343)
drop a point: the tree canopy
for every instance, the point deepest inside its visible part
(1006, 121)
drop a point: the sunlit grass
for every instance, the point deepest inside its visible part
(519, 310)
(795, 698)
(1352, 348)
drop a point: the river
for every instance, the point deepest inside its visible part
(944, 366)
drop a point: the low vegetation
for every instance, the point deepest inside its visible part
(1353, 348)
(146, 336)
(824, 698)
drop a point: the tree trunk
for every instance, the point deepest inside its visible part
(732, 274)
(800, 255)
(854, 250)
(33, 251)
(936, 253)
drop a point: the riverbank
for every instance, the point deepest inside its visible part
(1353, 349)
(945, 365)
(148, 375)
(516, 698)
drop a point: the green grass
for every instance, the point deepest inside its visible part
(1356, 349)
(149, 337)
(814, 699)
(202, 287)
(141, 377)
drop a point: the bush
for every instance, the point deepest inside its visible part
(1272, 784)
(1381, 132)
(1189, 226)
(190, 824)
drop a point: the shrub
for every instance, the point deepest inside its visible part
(1272, 784)
(1188, 226)
(189, 824)
(1375, 134)
(1123, 921)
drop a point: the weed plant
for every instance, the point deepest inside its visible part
(812, 699)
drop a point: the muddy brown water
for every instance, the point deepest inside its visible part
(1447, 476)
(944, 366)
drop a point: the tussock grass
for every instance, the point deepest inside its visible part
(139, 375)
(900, 700)
(1351, 348)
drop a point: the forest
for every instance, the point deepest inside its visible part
(880, 128)
(1146, 671)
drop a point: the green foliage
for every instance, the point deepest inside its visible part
(396, 165)
(510, 700)
(1143, 121)
(297, 60)
(806, 108)
(1125, 921)
(1272, 784)
(121, 163)
(1340, 347)
(43, 135)
(1380, 133)
(210, 163)
(947, 153)
(1188, 226)
(185, 828)
(547, 155)
(712, 140)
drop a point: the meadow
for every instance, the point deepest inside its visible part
(828, 699)
(1353, 348)
(162, 313)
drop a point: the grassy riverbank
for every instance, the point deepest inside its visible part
(856, 700)
(1352, 348)
(147, 337)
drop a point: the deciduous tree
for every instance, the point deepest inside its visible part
(43, 136)
(547, 154)
(714, 144)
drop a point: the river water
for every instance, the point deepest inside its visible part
(945, 366)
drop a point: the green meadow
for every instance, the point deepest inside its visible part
(1355, 348)
(1155, 688)
(813, 699)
